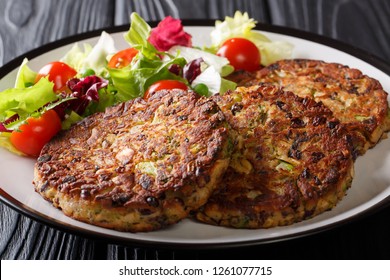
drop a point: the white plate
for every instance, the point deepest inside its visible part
(370, 188)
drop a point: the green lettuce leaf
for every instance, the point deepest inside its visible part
(131, 82)
(71, 119)
(138, 35)
(227, 85)
(94, 58)
(76, 56)
(25, 76)
(25, 101)
(240, 25)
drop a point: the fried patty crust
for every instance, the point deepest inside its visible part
(138, 166)
(356, 100)
(292, 160)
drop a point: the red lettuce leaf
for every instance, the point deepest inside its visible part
(85, 90)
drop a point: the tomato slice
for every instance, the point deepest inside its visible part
(122, 58)
(164, 84)
(58, 73)
(35, 133)
(241, 53)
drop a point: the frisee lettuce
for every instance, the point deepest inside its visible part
(240, 25)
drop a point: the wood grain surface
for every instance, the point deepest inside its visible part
(27, 24)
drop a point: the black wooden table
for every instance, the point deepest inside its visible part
(27, 24)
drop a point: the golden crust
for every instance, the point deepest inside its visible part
(292, 160)
(355, 99)
(139, 166)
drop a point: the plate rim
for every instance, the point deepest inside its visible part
(21, 208)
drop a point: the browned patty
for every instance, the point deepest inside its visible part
(356, 100)
(292, 160)
(139, 166)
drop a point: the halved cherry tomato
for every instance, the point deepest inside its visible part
(241, 53)
(32, 136)
(164, 84)
(58, 73)
(122, 58)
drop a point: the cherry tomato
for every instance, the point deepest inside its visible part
(32, 136)
(164, 84)
(122, 58)
(58, 73)
(241, 53)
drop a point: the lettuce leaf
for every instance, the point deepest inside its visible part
(274, 51)
(25, 101)
(76, 56)
(132, 82)
(25, 76)
(227, 85)
(94, 58)
(138, 35)
(97, 58)
(71, 119)
(240, 25)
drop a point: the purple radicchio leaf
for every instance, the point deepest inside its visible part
(175, 69)
(2, 128)
(85, 90)
(11, 119)
(192, 69)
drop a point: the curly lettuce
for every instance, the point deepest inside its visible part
(25, 101)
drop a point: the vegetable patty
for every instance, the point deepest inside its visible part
(139, 166)
(292, 160)
(355, 99)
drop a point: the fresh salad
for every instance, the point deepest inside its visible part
(89, 79)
